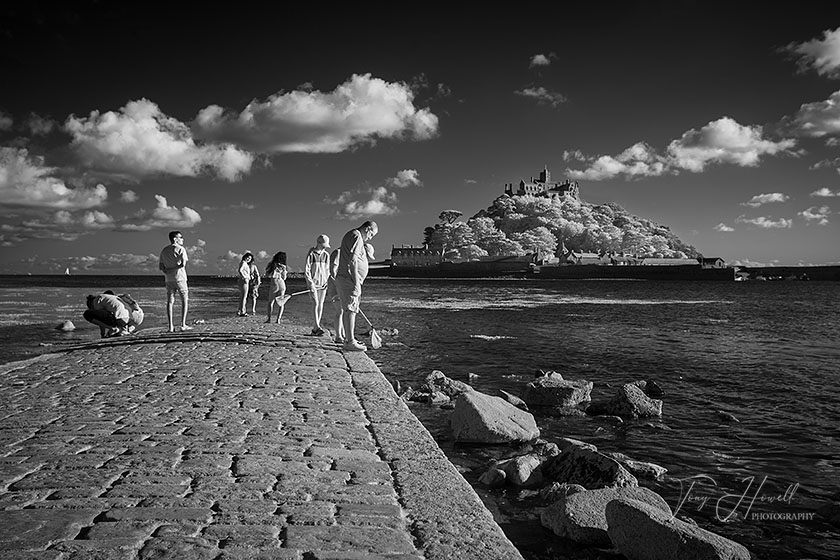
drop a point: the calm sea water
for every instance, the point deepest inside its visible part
(765, 352)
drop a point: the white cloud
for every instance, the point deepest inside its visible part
(815, 120)
(40, 126)
(128, 196)
(164, 216)
(766, 223)
(358, 112)
(723, 141)
(140, 140)
(543, 96)
(6, 121)
(723, 227)
(825, 192)
(768, 198)
(26, 181)
(405, 178)
(820, 215)
(821, 55)
(720, 141)
(541, 60)
(378, 201)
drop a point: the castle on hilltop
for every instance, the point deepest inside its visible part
(545, 188)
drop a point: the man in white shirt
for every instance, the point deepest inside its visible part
(173, 263)
(351, 274)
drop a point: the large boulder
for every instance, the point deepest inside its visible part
(579, 464)
(641, 531)
(581, 516)
(630, 401)
(552, 391)
(480, 418)
(66, 326)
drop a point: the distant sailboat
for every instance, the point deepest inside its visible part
(67, 271)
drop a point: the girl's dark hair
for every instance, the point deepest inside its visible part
(278, 259)
(246, 255)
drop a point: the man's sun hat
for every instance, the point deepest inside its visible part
(323, 240)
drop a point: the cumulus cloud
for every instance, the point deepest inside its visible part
(139, 141)
(541, 60)
(764, 222)
(760, 199)
(723, 227)
(26, 181)
(40, 126)
(163, 216)
(6, 121)
(128, 196)
(723, 141)
(375, 201)
(821, 55)
(378, 201)
(62, 225)
(543, 96)
(820, 119)
(720, 141)
(358, 112)
(814, 214)
(405, 178)
(825, 192)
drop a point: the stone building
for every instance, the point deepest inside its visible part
(415, 256)
(544, 187)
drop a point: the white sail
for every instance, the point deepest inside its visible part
(67, 271)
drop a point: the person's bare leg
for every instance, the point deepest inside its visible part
(270, 309)
(349, 325)
(185, 301)
(170, 304)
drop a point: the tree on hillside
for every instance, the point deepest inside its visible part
(516, 225)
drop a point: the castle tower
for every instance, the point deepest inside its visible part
(545, 175)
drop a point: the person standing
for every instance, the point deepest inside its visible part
(244, 281)
(351, 274)
(173, 264)
(317, 271)
(254, 286)
(276, 273)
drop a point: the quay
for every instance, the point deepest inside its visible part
(236, 440)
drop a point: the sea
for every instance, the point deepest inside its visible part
(750, 371)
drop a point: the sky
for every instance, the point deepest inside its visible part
(257, 127)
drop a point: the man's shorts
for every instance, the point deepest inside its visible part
(349, 301)
(176, 287)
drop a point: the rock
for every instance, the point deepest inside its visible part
(480, 418)
(524, 470)
(581, 517)
(556, 490)
(514, 400)
(587, 467)
(66, 326)
(643, 532)
(650, 388)
(639, 469)
(437, 381)
(554, 391)
(494, 477)
(630, 401)
(564, 444)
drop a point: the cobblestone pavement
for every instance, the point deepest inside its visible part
(235, 440)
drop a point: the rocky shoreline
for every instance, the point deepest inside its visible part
(589, 498)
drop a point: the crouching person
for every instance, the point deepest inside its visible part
(113, 315)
